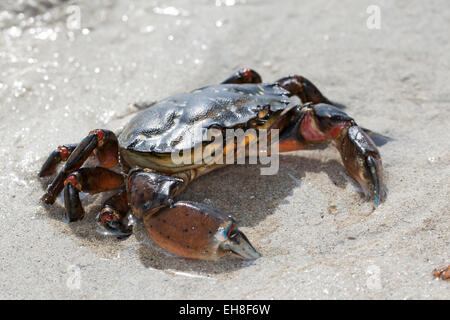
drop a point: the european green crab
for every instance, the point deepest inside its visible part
(150, 180)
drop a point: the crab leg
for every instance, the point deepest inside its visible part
(319, 124)
(442, 272)
(104, 142)
(305, 90)
(90, 180)
(113, 215)
(244, 76)
(61, 153)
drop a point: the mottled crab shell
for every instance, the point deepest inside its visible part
(169, 125)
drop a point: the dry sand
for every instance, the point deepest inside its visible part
(318, 238)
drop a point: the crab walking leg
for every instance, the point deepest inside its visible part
(244, 76)
(113, 215)
(61, 153)
(90, 180)
(315, 125)
(305, 90)
(104, 142)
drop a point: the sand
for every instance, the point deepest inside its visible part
(317, 236)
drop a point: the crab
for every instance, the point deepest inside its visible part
(149, 179)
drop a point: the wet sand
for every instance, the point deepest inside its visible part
(317, 236)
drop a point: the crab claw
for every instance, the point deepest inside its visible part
(198, 231)
(363, 162)
(238, 244)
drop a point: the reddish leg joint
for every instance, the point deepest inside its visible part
(244, 76)
(74, 181)
(303, 88)
(107, 215)
(65, 152)
(100, 136)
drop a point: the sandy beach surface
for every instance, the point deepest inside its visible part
(69, 67)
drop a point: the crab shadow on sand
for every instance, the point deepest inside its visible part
(238, 190)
